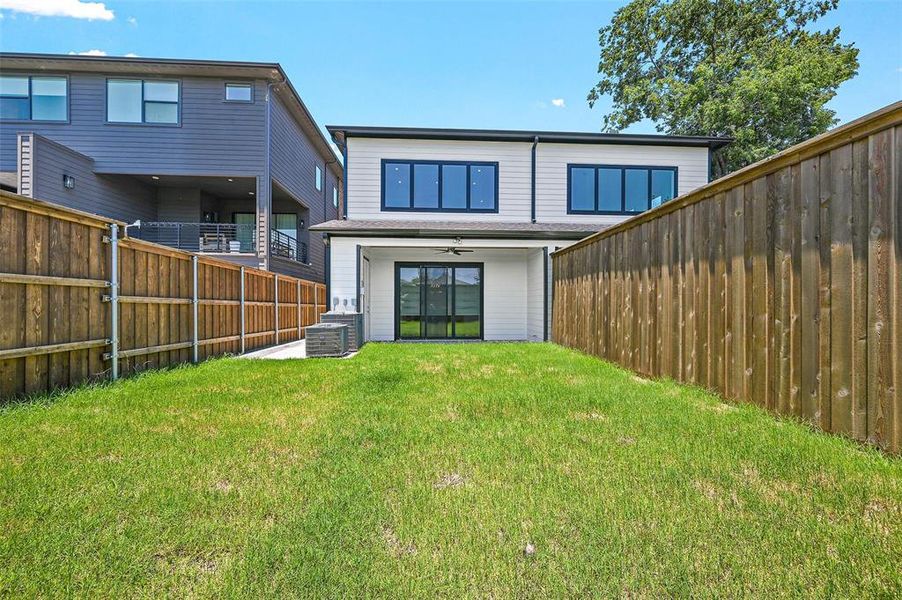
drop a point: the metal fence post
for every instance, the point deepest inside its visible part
(194, 304)
(241, 310)
(114, 299)
(299, 307)
(276, 284)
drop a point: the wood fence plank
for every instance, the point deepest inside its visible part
(841, 290)
(825, 390)
(880, 401)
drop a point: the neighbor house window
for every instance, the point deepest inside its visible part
(607, 189)
(239, 92)
(442, 186)
(24, 98)
(334, 196)
(319, 179)
(142, 101)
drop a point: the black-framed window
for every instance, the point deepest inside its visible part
(618, 189)
(239, 92)
(34, 98)
(439, 186)
(439, 300)
(151, 101)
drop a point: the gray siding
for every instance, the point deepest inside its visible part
(113, 196)
(214, 137)
(293, 166)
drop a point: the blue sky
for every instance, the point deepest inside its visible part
(464, 64)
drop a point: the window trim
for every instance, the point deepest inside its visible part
(623, 170)
(225, 91)
(30, 96)
(143, 122)
(439, 164)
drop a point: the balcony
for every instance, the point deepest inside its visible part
(219, 238)
(285, 246)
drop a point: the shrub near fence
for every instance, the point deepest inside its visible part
(780, 284)
(57, 306)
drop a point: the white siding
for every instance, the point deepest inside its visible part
(551, 173)
(365, 157)
(512, 273)
(514, 160)
(535, 295)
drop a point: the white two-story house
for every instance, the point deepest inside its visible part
(446, 233)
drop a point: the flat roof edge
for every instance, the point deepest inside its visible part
(507, 135)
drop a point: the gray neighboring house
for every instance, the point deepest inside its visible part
(211, 156)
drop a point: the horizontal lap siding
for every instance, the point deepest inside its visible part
(293, 163)
(110, 196)
(551, 172)
(504, 288)
(214, 137)
(782, 289)
(155, 311)
(365, 157)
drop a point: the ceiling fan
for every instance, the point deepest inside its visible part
(451, 250)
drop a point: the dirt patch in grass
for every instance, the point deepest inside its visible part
(396, 547)
(449, 480)
(590, 416)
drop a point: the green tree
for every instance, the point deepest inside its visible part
(753, 70)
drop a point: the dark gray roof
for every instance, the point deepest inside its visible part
(484, 229)
(342, 132)
(176, 67)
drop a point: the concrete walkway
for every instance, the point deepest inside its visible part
(282, 351)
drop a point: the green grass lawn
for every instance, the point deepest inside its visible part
(426, 470)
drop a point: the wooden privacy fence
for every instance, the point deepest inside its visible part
(780, 284)
(81, 302)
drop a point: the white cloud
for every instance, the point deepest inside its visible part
(558, 102)
(132, 21)
(131, 55)
(60, 8)
(92, 52)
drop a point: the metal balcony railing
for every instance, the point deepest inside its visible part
(200, 237)
(285, 246)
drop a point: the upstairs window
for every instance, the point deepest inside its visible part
(319, 179)
(239, 92)
(24, 98)
(617, 190)
(439, 186)
(334, 196)
(140, 101)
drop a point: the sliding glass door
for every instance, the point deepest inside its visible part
(438, 301)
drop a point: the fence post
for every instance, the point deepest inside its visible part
(241, 310)
(315, 304)
(114, 299)
(298, 282)
(194, 308)
(276, 284)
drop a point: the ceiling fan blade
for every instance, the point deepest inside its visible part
(459, 250)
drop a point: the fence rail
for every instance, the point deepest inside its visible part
(69, 317)
(780, 284)
(200, 237)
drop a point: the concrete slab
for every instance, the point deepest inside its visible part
(284, 351)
